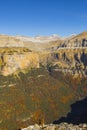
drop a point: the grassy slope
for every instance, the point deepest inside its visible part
(36, 95)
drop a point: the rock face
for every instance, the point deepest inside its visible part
(69, 54)
(13, 60)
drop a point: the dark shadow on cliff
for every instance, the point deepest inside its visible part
(76, 58)
(83, 58)
(77, 115)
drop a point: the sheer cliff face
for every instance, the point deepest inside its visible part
(11, 61)
(19, 61)
(17, 53)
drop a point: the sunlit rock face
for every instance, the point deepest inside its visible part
(11, 63)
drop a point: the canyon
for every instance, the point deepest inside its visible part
(40, 78)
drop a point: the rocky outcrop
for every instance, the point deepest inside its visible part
(13, 60)
(62, 126)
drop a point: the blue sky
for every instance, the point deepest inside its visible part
(43, 17)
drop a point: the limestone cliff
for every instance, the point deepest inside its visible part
(68, 60)
(12, 60)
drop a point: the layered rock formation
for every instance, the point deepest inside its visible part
(13, 59)
(69, 54)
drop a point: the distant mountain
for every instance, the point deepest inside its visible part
(39, 39)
